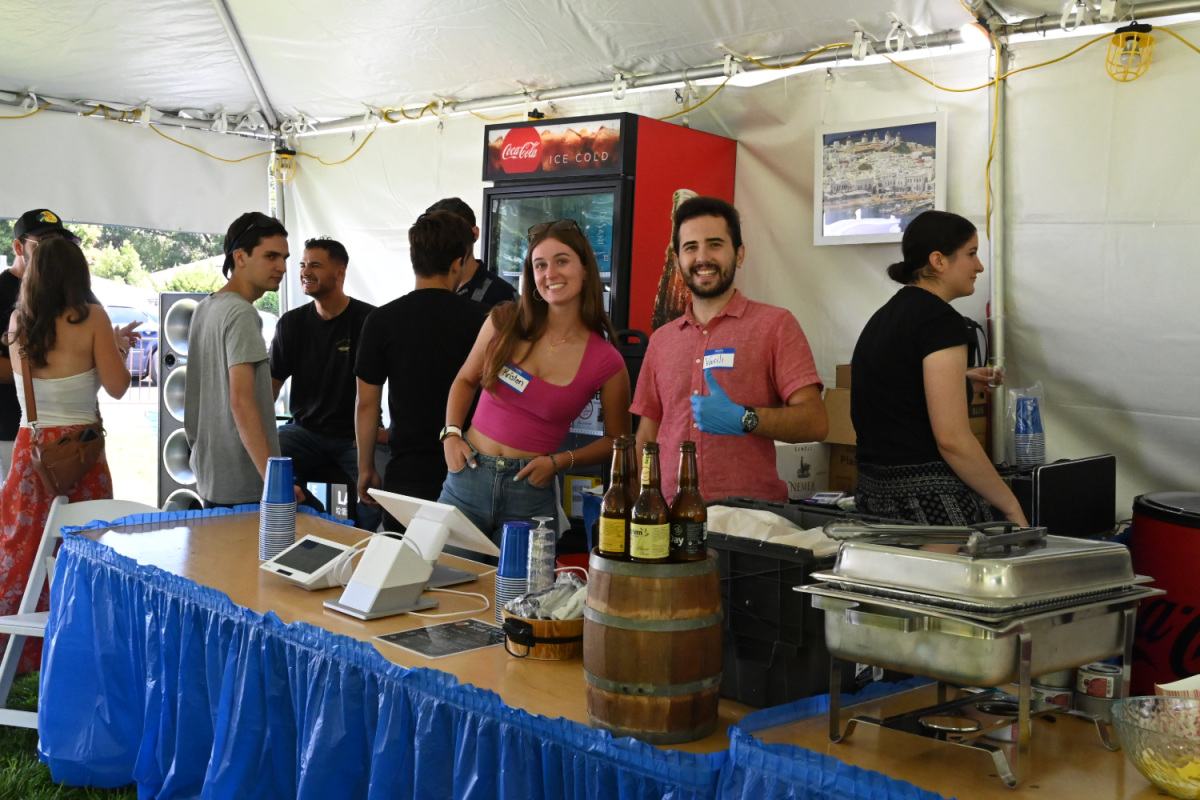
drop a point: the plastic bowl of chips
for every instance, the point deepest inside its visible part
(1161, 736)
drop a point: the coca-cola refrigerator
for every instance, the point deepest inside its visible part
(620, 177)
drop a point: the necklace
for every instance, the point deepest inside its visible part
(555, 344)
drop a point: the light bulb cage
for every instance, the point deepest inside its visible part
(283, 165)
(1129, 52)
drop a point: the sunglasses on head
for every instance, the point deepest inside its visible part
(559, 224)
(249, 228)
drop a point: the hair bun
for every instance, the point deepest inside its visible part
(901, 272)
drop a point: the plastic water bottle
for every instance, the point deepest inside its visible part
(540, 574)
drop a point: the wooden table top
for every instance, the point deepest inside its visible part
(222, 553)
(1068, 759)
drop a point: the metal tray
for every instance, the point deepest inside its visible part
(950, 648)
(1055, 566)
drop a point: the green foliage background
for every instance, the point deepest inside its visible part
(133, 255)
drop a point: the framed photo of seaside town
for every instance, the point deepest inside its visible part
(873, 178)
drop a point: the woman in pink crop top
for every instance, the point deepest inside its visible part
(540, 361)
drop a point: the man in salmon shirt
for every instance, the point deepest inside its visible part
(731, 374)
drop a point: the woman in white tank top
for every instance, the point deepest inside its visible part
(71, 352)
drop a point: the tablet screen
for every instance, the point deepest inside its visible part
(308, 556)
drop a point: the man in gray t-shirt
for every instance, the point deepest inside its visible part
(230, 410)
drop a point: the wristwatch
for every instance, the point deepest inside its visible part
(454, 430)
(749, 420)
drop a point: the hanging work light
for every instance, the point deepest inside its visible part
(1129, 52)
(283, 166)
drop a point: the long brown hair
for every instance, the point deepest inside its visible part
(526, 320)
(57, 281)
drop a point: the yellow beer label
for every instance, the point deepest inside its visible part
(612, 535)
(649, 541)
(645, 468)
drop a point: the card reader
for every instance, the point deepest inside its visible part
(308, 563)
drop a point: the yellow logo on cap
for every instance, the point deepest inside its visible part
(48, 216)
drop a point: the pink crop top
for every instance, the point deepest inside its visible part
(537, 419)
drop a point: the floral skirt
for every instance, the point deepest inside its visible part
(927, 494)
(24, 506)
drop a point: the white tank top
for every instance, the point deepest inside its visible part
(62, 401)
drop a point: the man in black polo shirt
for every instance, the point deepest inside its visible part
(417, 344)
(477, 283)
(316, 345)
(32, 227)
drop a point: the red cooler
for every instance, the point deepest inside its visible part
(1166, 546)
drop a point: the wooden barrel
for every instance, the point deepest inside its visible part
(652, 648)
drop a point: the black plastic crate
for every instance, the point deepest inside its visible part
(773, 639)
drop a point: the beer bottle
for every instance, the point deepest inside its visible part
(650, 530)
(632, 484)
(689, 515)
(618, 506)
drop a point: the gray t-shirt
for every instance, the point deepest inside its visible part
(225, 331)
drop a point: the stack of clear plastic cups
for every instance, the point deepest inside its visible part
(511, 574)
(1030, 437)
(541, 556)
(277, 512)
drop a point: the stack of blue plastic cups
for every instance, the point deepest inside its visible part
(511, 573)
(277, 513)
(1030, 437)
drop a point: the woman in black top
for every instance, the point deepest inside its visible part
(917, 457)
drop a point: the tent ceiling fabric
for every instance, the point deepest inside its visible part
(326, 58)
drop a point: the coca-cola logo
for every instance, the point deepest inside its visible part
(521, 150)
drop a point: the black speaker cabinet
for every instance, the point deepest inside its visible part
(176, 482)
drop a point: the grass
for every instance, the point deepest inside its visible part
(22, 775)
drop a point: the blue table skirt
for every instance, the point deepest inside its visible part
(148, 677)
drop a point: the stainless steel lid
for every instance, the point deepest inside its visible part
(1048, 567)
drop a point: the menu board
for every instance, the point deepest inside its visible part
(531, 150)
(446, 639)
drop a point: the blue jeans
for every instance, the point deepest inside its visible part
(489, 496)
(315, 455)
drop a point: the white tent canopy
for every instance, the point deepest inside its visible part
(326, 59)
(1099, 221)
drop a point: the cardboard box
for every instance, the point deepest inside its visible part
(843, 468)
(843, 376)
(980, 418)
(803, 467)
(837, 407)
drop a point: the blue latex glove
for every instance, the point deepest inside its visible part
(717, 413)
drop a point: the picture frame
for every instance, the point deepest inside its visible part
(871, 178)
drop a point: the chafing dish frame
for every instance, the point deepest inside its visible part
(859, 611)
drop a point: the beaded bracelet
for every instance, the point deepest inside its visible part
(553, 461)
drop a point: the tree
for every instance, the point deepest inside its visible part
(122, 265)
(269, 302)
(195, 278)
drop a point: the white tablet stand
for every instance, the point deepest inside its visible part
(393, 572)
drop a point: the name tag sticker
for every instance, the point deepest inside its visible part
(719, 359)
(515, 377)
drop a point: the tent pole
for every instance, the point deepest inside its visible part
(999, 248)
(239, 48)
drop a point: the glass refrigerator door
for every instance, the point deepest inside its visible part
(513, 215)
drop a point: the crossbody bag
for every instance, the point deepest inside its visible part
(61, 463)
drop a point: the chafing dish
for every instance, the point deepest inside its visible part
(998, 605)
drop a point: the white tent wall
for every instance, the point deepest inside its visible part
(112, 173)
(1104, 286)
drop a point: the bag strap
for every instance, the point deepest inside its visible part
(30, 400)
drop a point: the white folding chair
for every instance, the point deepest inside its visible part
(28, 621)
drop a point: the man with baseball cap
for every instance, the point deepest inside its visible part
(30, 229)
